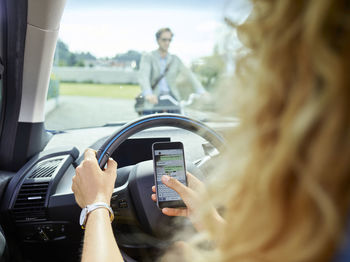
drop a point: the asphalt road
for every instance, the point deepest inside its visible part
(82, 111)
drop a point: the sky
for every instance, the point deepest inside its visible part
(107, 27)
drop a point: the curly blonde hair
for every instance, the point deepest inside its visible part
(285, 187)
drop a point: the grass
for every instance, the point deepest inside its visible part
(100, 90)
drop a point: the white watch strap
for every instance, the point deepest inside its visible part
(89, 208)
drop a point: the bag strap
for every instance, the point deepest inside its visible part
(161, 76)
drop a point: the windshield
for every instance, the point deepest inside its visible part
(118, 60)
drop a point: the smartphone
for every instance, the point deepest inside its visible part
(168, 159)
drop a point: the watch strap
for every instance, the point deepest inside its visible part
(89, 208)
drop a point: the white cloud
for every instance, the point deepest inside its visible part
(208, 26)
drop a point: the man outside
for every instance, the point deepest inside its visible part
(160, 63)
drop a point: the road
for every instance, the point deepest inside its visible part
(82, 111)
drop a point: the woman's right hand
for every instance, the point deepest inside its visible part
(153, 99)
(191, 196)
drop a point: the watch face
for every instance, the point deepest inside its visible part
(83, 216)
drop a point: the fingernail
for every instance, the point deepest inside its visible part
(165, 178)
(111, 158)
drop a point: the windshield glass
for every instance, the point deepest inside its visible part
(118, 60)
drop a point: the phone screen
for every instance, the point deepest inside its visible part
(169, 162)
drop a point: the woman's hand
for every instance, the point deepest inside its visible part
(191, 196)
(90, 183)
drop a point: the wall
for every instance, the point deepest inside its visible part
(95, 75)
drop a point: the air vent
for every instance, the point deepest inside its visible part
(30, 203)
(45, 169)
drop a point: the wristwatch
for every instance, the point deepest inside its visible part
(89, 208)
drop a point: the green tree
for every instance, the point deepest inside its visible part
(209, 69)
(63, 57)
(72, 59)
(80, 63)
(129, 56)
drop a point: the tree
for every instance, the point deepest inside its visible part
(129, 56)
(62, 53)
(209, 69)
(72, 59)
(63, 57)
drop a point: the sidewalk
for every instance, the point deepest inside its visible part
(79, 112)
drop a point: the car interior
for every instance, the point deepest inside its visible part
(39, 216)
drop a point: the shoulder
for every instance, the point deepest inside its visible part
(145, 54)
(154, 52)
(146, 57)
(175, 59)
(149, 55)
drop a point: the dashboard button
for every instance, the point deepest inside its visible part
(123, 204)
(43, 235)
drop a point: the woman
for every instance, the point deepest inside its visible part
(288, 165)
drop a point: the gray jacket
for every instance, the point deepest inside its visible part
(150, 71)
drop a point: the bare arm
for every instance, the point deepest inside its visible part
(99, 242)
(91, 185)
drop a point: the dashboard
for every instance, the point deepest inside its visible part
(39, 208)
(136, 150)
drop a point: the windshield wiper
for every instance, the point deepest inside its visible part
(114, 124)
(55, 132)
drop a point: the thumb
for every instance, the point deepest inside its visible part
(111, 166)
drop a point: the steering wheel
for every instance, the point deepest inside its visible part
(131, 200)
